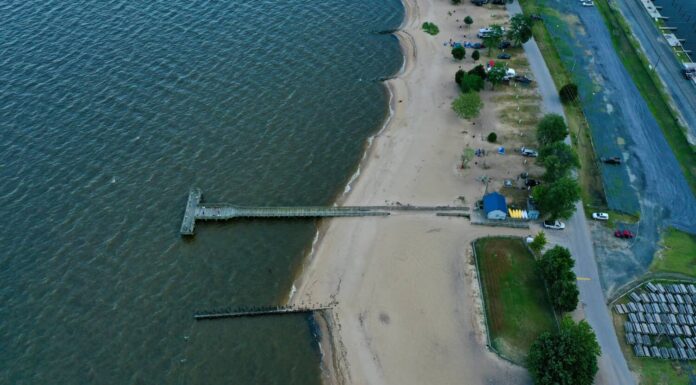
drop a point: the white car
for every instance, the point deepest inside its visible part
(587, 4)
(600, 216)
(554, 225)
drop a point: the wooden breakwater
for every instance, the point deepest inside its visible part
(195, 211)
(255, 311)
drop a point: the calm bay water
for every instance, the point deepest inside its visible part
(109, 112)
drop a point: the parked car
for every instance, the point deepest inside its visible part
(611, 160)
(479, 2)
(499, 2)
(532, 182)
(689, 73)
(623, 234)
(587, 4)
(600, 216)
(504, 44)
(522, 79)
(554, 225)
(529, 152)
(504, 56)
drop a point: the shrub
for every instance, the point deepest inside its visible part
(458, 52)
(492, 137)
(478, 71)
(458, 76)
(475, 55)
(468, 21)
(470, 83)
(431, 28)
(456, 2)
(467, 105)
(568, 93)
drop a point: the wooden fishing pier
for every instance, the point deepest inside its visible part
(197, 211)
(255, 312)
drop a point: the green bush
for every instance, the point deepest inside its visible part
(475, 55)
(431, 28)
(478, 71)
(467, 105)
(568, 93)
(470, 83)
(492, 137)
(458, 52)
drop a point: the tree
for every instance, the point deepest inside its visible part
(551, 128)
(520, 29)
(557, 200)
(492, 137)
(467, 105)
(568, 93)
(538, 242)
(469, 83)
(431, 28)
(455, 2)
(468, 21)
(493, 37)
(478, 71)
(496, 74)
(567, 357)
(458, 76)
(459, 52)
(556, 267)
(475, 55)
(558, 158)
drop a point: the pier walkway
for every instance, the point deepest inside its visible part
(195, 210)
(256, 312)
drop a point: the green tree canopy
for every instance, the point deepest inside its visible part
(494, 37)
(471, 83)
(475, 55)
(459, 52)
(567, 357)
(558, 158)
(468, 21)
(458, 76)
(538, 242)
(551, 128)
(557, 200)
(478, 71)
(497, 73)
(520, 29)
(467, 105)
(568, 93)
(556, 267)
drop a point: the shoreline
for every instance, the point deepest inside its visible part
(408, 51)
(331, 358)
(406, 309)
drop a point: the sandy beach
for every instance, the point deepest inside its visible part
(408, 309)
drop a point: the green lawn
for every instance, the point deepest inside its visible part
(517, 306)
(678, 254)
(650, 86)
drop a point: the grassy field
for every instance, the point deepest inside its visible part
(678, 254)
(651, 371)
(650, 85)
(590, 177)
(517, 306)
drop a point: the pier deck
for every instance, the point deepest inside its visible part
(202, 316)
(195, 210)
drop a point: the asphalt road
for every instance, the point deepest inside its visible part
(660, 54)
(612, 364)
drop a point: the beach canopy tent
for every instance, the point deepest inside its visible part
(494, 206)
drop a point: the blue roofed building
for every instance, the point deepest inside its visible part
(494, 206)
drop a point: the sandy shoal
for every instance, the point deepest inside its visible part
(408, 307)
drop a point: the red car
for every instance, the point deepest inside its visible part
(625, 234)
